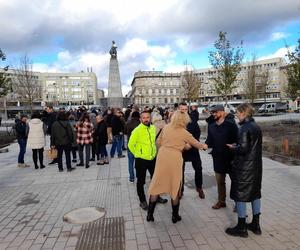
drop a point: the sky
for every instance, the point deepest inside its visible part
(71, 35)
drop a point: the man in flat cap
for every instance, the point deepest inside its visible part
(221, 132)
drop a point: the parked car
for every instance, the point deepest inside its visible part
(227, 107)
(273, 107)
(202, 108)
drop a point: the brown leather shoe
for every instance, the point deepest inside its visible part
(201, 193)
(219, 205)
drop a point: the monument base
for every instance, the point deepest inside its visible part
(115, 102)
(126, 101)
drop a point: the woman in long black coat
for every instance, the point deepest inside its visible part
(246, 174)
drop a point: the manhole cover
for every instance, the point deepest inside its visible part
(108, 234)
(84, 215)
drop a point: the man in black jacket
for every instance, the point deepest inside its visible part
(221, 132)
(129, 127)
(117, 129)
(192, 154)
(49, 120)
(62, 139)
(22, 133)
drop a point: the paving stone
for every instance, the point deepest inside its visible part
(154, 243)
(40, 225)
(50, 242)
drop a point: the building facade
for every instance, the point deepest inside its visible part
(155, 88)
(275, 85)
(165, 89)
(60, 88)
(69, 88)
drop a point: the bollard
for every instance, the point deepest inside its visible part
(285, 146)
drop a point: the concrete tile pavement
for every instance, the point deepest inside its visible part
(32, 203)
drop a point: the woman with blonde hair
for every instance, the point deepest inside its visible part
(167, 176)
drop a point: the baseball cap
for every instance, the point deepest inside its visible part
(217, 107)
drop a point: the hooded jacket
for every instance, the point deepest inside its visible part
(61, 133)
(36, 134)
(142, 142)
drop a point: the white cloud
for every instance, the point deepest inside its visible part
(278, 36)
(282, 52)
(136, 54)
(148, 32)
(91, 25)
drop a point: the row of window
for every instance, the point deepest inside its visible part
(158, 91)
(66, 96)
(157, 100)
(266, 65)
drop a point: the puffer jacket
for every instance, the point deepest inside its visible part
(36, 135)
(246, 174)
(142, 142)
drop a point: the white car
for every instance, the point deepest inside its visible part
(227, 107)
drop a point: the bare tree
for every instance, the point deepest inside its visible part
(190, 84)
(27, 85)
(250, 88)
(262, 87)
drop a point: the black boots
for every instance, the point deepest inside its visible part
(175, 216)
(151, 209)
(254, 225)
(239, 230)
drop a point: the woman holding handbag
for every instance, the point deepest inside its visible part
(36, 139)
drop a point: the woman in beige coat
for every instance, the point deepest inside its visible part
(167, 177)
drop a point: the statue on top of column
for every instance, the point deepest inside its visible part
(113, 50)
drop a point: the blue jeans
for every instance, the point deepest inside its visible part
(102, 151)
(116, 144)
(22, 144)
(241, 208)
(130, 165)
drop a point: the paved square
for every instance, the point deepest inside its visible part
(33, 202)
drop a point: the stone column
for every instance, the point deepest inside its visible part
(115, 98)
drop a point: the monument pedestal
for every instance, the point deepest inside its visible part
(114, 98)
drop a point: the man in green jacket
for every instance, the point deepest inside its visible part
(142, 145)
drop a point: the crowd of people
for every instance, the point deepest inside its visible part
(158, 141)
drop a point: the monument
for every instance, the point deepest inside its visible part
(114, 97)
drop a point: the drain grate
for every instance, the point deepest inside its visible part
(106, 233)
